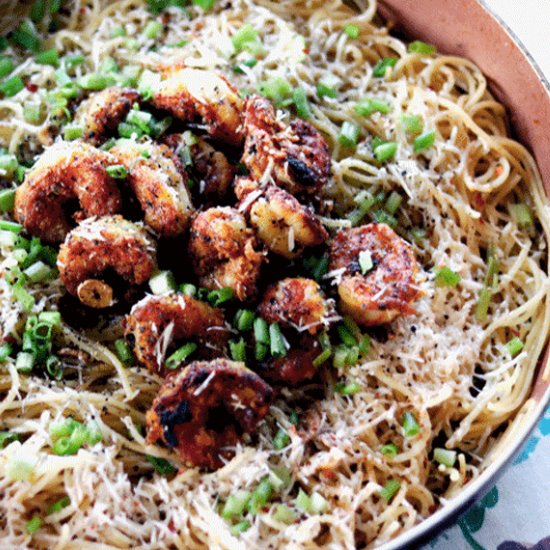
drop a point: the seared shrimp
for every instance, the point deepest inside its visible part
(281, 222)
(209, 167)
(297, 156)
(378, 274)
(194, 94)
(98, 246)
(101, 113)
(296, 367)
(158, 185)
(157, 323)
(224, 253)
(297, 303)
(64, 173)
(203, 409)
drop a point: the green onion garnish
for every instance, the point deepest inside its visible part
(393, 202)
(54, 367)
(12, 86)
(7, 437)
(124, 352)
(220, 296)
(261, 331)
(412, 124)
(446, 277)
(7, 200)
(327, 87)
(260, 496)
(347, 389)
(8, 163)
(72, 132)
(482, 307)
(93, 81)
(323, 357)
(162, 282)
(284, 514)
(48, 57)
(424, 141)
(204, 4)
(381, 68)
(39, 272)
(281, 440)
(303, 110)
(352, 30)
(240, 527)
(410, 425)
(349, 134)
(521, 214)
(237, 350)
(385, 151)
(117, 32)
(365, 262)
(278, 90)
(33, 525)
(32, 112)
(277, 341)
(73, 60)
(514, 346)
(179, 356)
(235, 504)
(188, 289)
(445, 457)
(390, 489)
(161, 465)
(24, 362)
(390, 450)
(6, 66)
(422, 48)
(26, 36)
(58, 505)
(152, 29)
(246, 38)
(117, 171)
(244, 320)
(371, 105)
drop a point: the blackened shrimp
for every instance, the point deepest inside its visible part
(377, 273)
(284, 225)
(158, 184)
(296, 156)
(198, 95)
(223, 250)
(97, 247)
(202, 410)
(65, 174)
(157, 324)
(297, 303)
(101, 113)
(208, 167)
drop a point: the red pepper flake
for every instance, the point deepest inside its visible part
(306, 51)
(515, 332)
(328, 474)
(498, 170)
(31, 87)
(479, 201)
(165, 19)
(171, 526)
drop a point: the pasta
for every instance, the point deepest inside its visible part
(450, 363)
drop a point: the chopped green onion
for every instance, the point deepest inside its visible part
(349, 134)
(318, 503)
(261, 331)
(39, 272)
(249, 63)
(33, 525)
(237, 350)
(71, 61)
(245, 35)
(7, 200)
(8, 239)
(280, 477)
(117, 171)
(364, 344)
(235, 504)
(94, 434)
(303, 502)
(393, 202)
(161, 465)
(445, 457)
(346, 336)
(424, 141)
(48, 57)
(124, 352)
(244, 320)
(284, 514)
(410, 425)
(323, 357)
(19, 469)
(51, 317)
(8, 163)
(365, 202)
(220, 296)
(204, 4)
(421, 47)
(12, 86)
(389, 450)
(383, 65)
(390, 489)
(412, 124)
(71, 133)
(281, 440)
(6, 66)
(277, 341)
(26, 36)
(278, 90)
(179, 356)
(446, 277)
(521, 214)
(260, 351)
(58, 505)
(93, 81)
(514, 346)
(260, 496)
(369, 105)
(3, 43)
(325, 89)
(491, 279)
(385, 151)
(6, 350)
(38, 11)
(162, 282)
(32, 112)
(63, 428)
(24, 361)
(153, 29)
(7, 437)
(303, 110)
(64, 447)
(317, 267)
(240, 527)
(352, 30)
(55, 6)
(54, 367)
(117, 32)
(365, 261)
(482, 307)
(347, 389)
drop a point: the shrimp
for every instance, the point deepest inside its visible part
(65, 173)
(302, 310)
(378, 274)
(194, 94)
(297, 303)
(98, 246)
(157, 323)
(158, 185)
(101, 113)
(284, 225)
(297, 155)
(206, 165)
(202, 410)
(224, 252)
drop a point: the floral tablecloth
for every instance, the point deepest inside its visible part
(515, 514)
